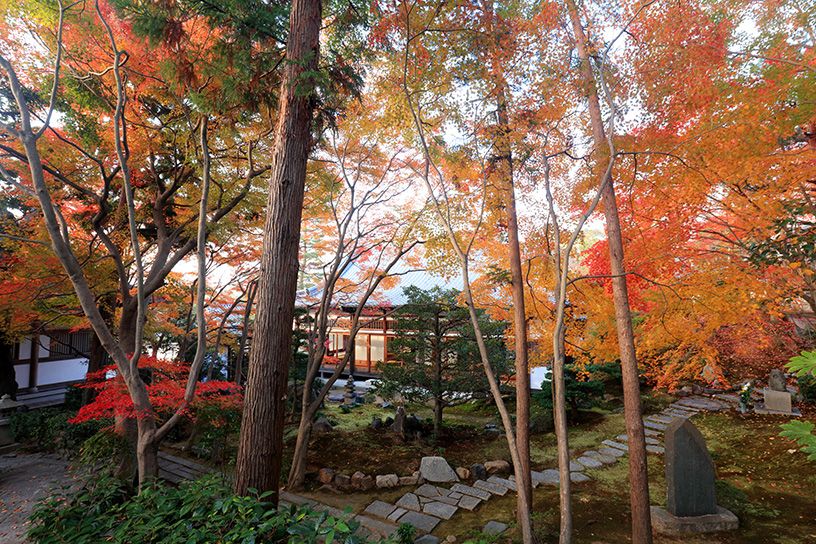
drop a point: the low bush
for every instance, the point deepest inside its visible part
(198, 512)
(48, 429)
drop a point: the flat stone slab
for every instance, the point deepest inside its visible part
(380, 509)
(423, 522)
(575, 466)
(469, 502)
(660, 418)
(654, 425)
(472, 491)
(659, 450)
(649, 439)
(589, 462)
(374, 527)
(494, 528)
(409, 501)
(611, 452)
(431, 491)
(509, 484)
(578, 477)
(665, 523)
(618, 445)
(440, 509)
(396, 514)
(548, 477)
(702, 403)
(605, 459)
(492, 487)
(652, 432)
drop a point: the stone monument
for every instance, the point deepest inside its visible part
(777, 380)
(350, 392)
(691, 505)
(777, 398)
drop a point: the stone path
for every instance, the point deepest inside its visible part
(25, 479)
(428, 505)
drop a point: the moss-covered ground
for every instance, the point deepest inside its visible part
(762, 477)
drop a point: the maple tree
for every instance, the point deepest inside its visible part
(360, 201)
(142, 220)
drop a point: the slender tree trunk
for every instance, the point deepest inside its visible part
(503, 164)
(239, 357)
(638, 472)
(260, 449)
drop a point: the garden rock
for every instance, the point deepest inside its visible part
(325, 476)
(439, 509)
(437, 470)
(496, 467)
(409, 480)
(342, 481)
(463, 473)
(361, 481)
(376, 423)
(322, 425)
(387, 480)
(478, 471)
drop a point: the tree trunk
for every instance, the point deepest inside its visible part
(147, 451)
(638, 472)
(260, 449)
(439, 405)
(297, 474)
(239, 357)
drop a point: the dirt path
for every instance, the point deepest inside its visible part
(24, 479)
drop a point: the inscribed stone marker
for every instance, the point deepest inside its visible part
(689, 471)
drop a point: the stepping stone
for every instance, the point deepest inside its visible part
(548, 477)
(431, 491)
(423, 522)
(427, 539)
(455, 495)
(654, 425)
(492, 487)
(576, 467)
(469, 503)
(511, 485)
(375, 527)
(533, 481)
(684, 407)
(578, 477)
(702, 403)
(494, 528)
(446, 500)
(660, 419)
(409, 501)
(589, 462)
(396, 514)
(605, 459)
(611, 452)
(652, 432)
(440, 509)
(655, 449)
(618, 445)
(649, 439)
(472, 491)
(380, 509)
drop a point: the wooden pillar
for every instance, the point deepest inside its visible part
(368, 351)
(34, 362)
